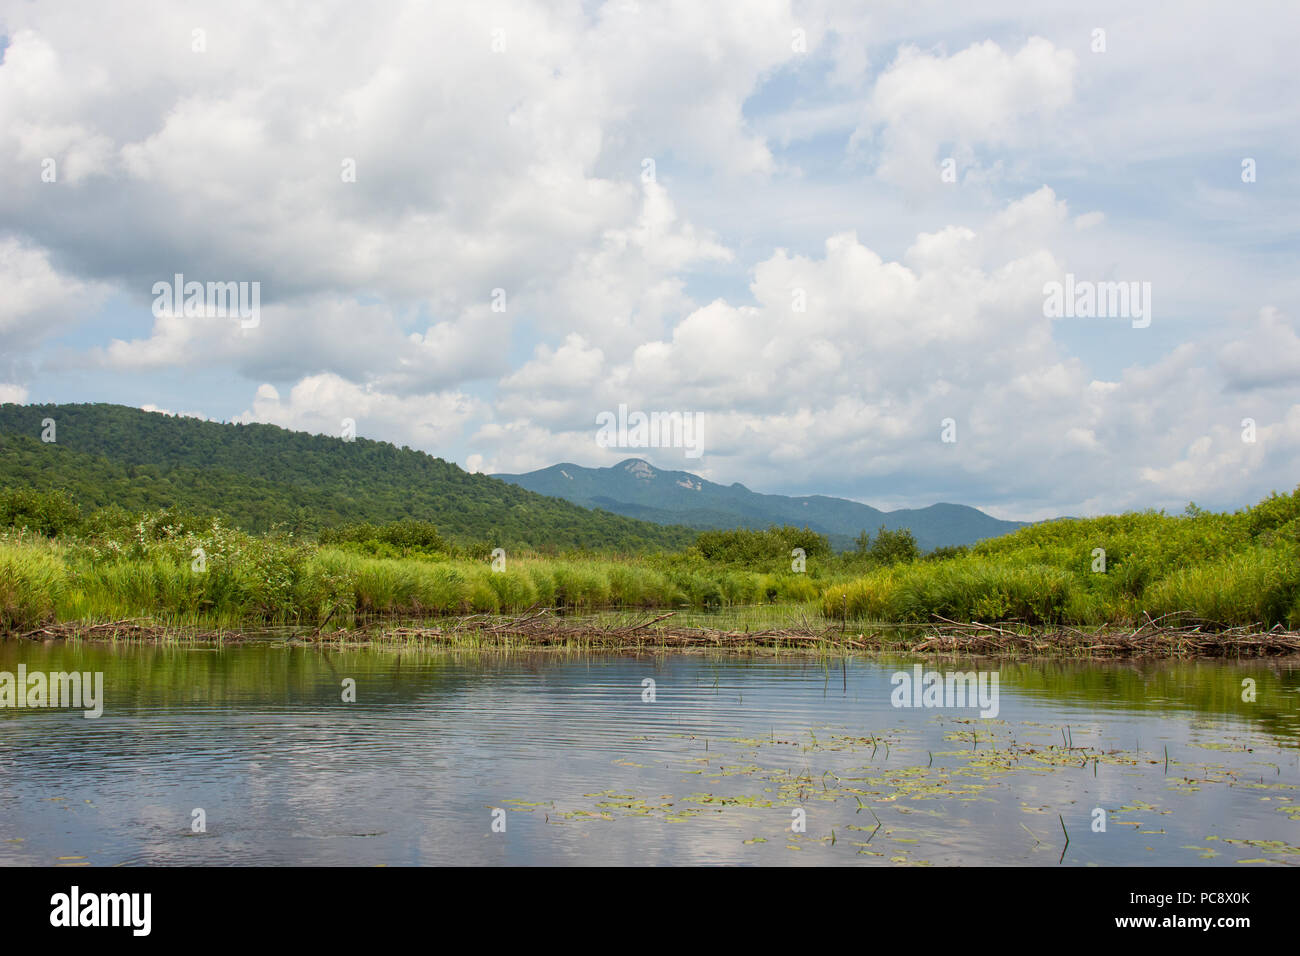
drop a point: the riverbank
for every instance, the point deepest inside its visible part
(664, 632)
(1080, 582)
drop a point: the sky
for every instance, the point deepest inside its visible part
(828, 234)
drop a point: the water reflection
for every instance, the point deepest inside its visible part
(259, 737)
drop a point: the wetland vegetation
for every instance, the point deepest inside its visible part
(1199, 571)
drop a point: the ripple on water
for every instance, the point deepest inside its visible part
(261, 739)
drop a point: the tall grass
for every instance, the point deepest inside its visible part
(247, 581)
(1254, 587)
(33, 579)
(1219, 570)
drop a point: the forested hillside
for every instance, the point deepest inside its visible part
(261, 475)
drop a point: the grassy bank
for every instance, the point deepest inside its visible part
(245, 581)
(1218, 570)
(1215, 571)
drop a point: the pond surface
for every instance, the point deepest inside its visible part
(443, 749)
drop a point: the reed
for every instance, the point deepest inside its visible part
(1215, 571)
(246, 581)
(1211, 570)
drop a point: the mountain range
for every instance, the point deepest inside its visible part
(263, 476)
(637, 489)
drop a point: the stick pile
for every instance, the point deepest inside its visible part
(542, 628)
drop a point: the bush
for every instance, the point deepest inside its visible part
(750, 547)
(1222, 569)
(405, 538)
(45, 512)
(947, 552)
(889, 547)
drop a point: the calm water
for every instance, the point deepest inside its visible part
(583, 771)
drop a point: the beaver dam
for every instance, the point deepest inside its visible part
(541, 628)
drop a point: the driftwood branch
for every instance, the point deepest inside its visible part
(543, 627)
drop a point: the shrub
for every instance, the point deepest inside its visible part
(406, 538)
(45, 512)
(750, 547)
(889, 547)
(947, 552)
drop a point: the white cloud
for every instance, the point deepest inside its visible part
(1262, 354)
(852, 392)
(521, 171)
(38, 301)
(320, 404)
(166, 411)
(979, 96)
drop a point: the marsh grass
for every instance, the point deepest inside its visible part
(33, 580)
(1215, 570)
(248, 581)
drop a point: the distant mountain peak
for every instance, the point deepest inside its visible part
(639, 468)
(257, 476)
(629, 488)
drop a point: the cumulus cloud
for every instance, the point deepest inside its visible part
(321, 404)
(979, 96)
(150, 407)
(1264, 354)
(38, 300)
(459, 243)
(851, 359)
(473, 168)
(363, 342)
